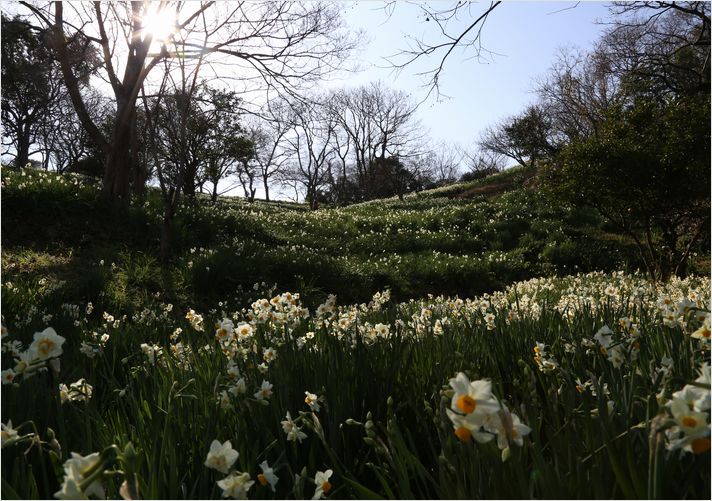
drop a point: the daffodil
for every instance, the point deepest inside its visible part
(239, 388)
(469, 426)
(75, 472)
(475, 396)
(603, 336)
(267, 477)
(221, 456)
(265, 391)
(312, 400)
(47, 344)
(293, 431)
(8, 434)
(508, 427)
(8, 376)
(704, 331)
(236, 485)
(224, 400)
(323, 486)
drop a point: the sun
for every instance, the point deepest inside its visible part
(159, 23)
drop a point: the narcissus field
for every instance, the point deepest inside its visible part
(274, 360)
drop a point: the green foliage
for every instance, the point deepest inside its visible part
(396, 442)
(648, 173)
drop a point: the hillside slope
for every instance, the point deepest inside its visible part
(464, 239)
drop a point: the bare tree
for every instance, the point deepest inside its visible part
(310, 141)
(375, 122)
(281, 45)
(269, 136)
(578, 90)
(445, 41)
(525, 137)
(481, 163)
(445, 160)
(662, 48)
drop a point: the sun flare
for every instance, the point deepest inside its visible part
(160, 24)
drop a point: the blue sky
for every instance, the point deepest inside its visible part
(526, 34)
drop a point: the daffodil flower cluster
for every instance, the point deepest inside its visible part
(44, 351)
(690, 411)
(284, 309)
(293, 431)
(79, 391)
(475, 413)
(221, 457)
(195, 319)
(544, 361)
(83, 475)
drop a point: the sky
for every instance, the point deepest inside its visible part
(525, 35)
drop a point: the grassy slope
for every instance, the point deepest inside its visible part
(463, 239)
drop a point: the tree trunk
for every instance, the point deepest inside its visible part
(140, 171)
(117, 172)
(23, 149)
(167, 234)
(264, 180)
(189, 181)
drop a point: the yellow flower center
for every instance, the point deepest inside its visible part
(705, 333)
(689, 422)
(466, 404)
(261, 478)
(45, 346)
(463, 434)
(603, 351)
(326, 486)
(221, 333)
(700, 445)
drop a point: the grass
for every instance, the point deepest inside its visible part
(169, 409)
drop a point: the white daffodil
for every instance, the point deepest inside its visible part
(469, 426)
(221, 456)
(239, 388)
(236, 485)
(244, 330)
(47, 344)
(293, 431)
(8, 376)
(8, 434)
(475, 396)
(224, 400)
(267, 477)
(508, 427)
(269, 354)
(603, 336)
(70, 490)
(323, 486)
(75, 470)
(265, 391)
(312, 401)
(704, 331)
